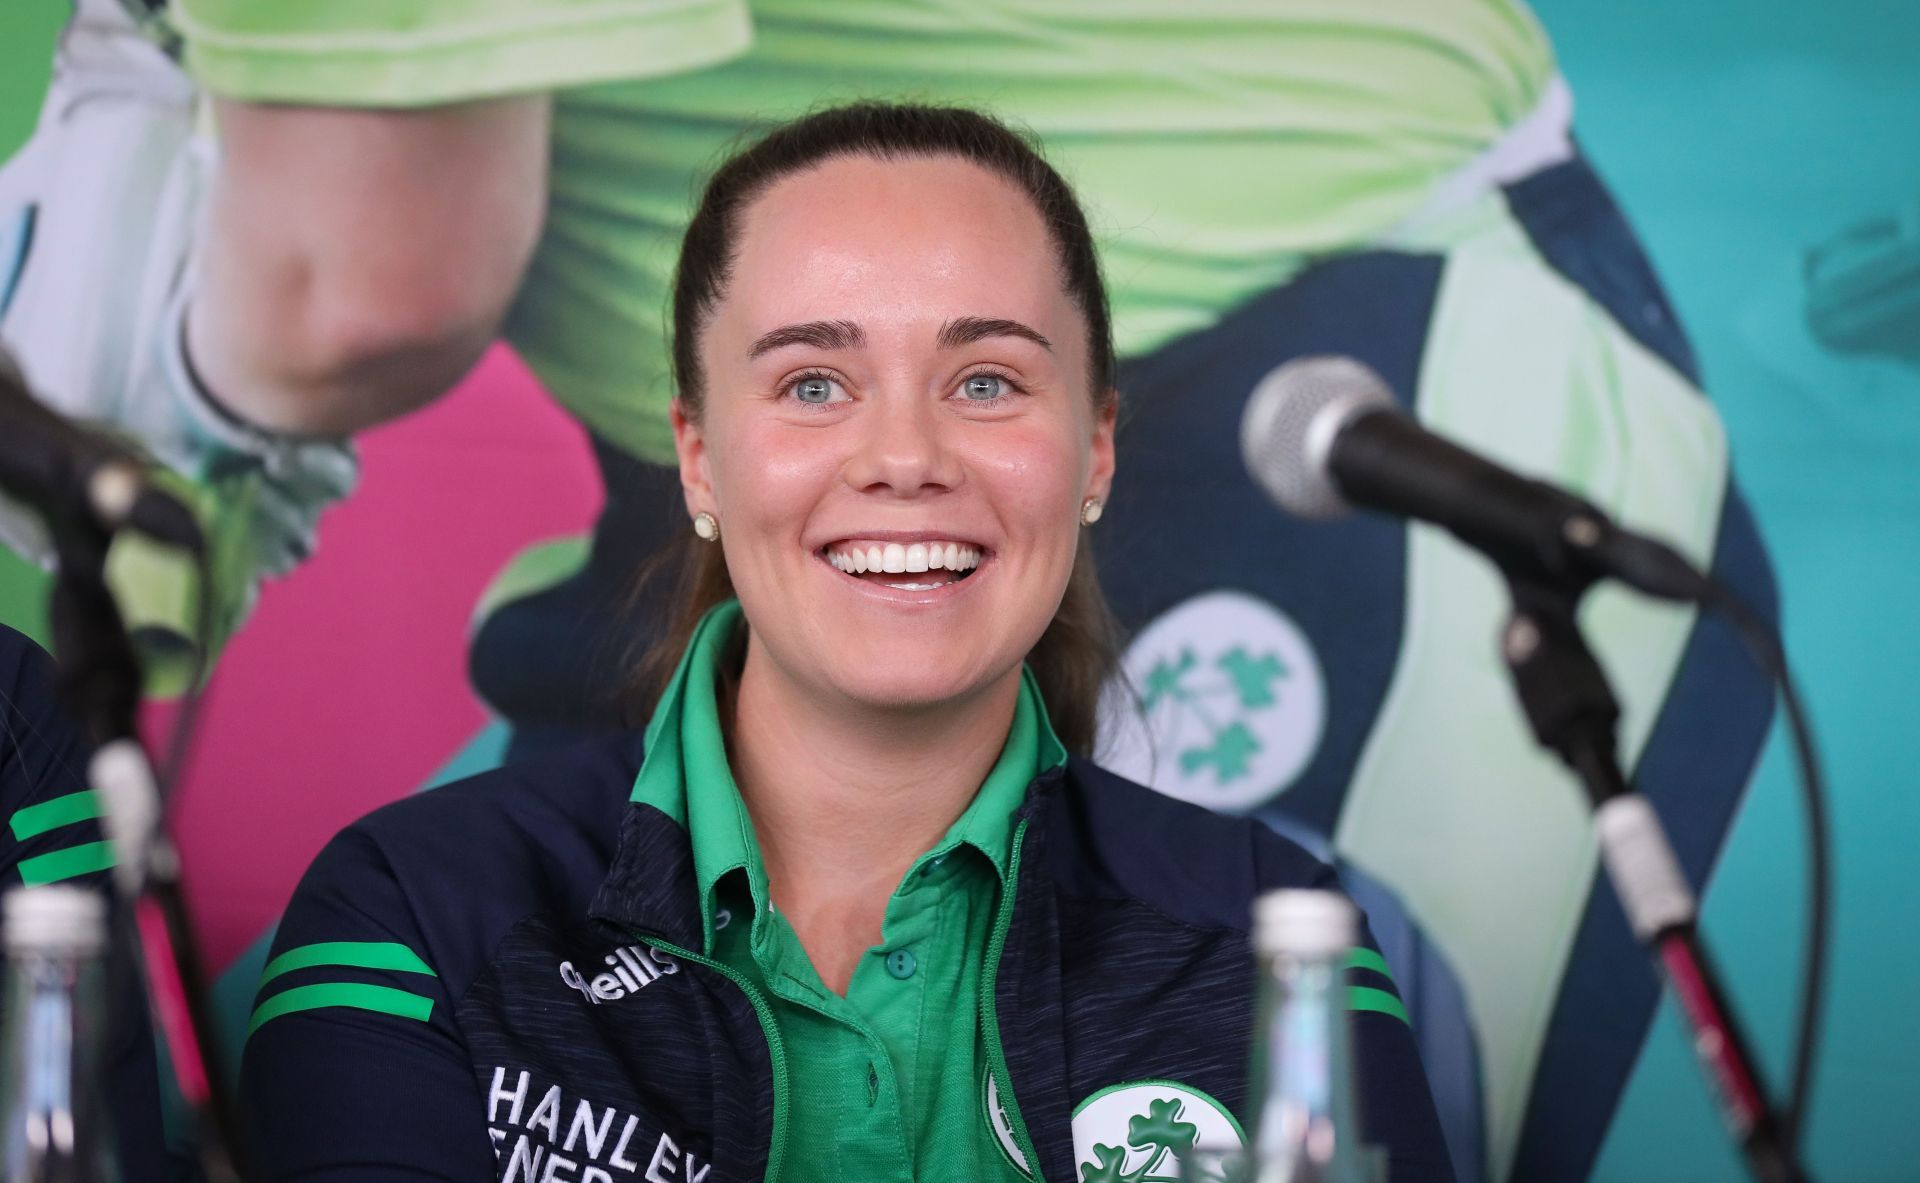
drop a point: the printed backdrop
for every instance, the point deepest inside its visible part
(1739, 137)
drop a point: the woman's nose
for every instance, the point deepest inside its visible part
(903, 449)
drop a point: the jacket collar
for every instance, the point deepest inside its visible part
(687, 826)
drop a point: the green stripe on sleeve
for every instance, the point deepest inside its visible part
(1368, 959)
(51, 815)
(357, 995)
(355, 954)
(65, 864)
(1368, 998)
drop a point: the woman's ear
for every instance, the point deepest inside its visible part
(690, 446)
(1100, 471)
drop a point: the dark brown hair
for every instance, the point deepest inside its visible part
(1074, 657)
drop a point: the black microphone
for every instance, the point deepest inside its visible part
(68, 472)
(1323, 435)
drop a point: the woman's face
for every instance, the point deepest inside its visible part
(896, 378)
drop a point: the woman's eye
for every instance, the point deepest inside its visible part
(816, 391)
(984, 387)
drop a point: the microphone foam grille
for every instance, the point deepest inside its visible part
(1292, 419)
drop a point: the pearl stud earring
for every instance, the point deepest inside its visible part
(706, 526)
(1090, 511)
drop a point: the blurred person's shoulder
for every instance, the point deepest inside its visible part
(26, 680)
(45, 803)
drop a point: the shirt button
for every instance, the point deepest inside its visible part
(901, 963)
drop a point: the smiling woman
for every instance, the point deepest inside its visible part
(785, 289)
(861, 914)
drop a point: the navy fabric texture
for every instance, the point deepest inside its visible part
(43, 756)
(1128, 959)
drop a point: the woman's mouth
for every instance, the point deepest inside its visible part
(911, 566)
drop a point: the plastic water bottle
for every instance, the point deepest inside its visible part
(1305, 1126)
(52, 1093)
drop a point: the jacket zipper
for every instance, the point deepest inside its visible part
(989, 1010)
(776, 1150)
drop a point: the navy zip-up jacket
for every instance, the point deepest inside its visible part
(503, 978)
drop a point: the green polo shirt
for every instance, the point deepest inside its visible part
(890, 1081)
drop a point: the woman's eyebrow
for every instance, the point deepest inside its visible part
(967, 329)
(821, 334)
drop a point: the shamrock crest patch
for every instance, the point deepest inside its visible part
(1135, 1133)
(1232, 703)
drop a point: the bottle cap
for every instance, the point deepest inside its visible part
(55, 917)
(1304, 923)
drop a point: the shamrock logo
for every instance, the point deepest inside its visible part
(1251, 683)
(1158, 1134)
(1161, 1131)
(1231, 706)
(1108, 1166)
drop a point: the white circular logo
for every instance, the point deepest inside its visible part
(1135, 1133)
(1003, 1128)
(1231, 703)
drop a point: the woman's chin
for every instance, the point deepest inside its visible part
(900, 686)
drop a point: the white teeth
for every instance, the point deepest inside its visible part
(894, 557)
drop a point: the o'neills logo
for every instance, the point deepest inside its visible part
(633, 967)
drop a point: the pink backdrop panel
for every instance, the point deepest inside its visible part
(348, 686)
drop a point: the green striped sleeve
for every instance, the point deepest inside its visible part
(351, 954)
(65, 864)
(1367, 959)
(35, 820)
(355, 995)
(1368, 998)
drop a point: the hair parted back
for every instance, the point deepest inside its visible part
(1073, 658)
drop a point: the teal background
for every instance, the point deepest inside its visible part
(1736, 134)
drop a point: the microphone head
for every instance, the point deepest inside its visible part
(1291, 422)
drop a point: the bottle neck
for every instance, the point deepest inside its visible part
(1305, 1127)
(56, 1121)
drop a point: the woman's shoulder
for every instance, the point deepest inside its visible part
(1111, 835)
(440, 880)
(534, 833)
(580, 785)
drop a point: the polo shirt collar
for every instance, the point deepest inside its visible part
(685, 774)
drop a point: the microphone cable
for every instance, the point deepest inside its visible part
(1763, 642)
